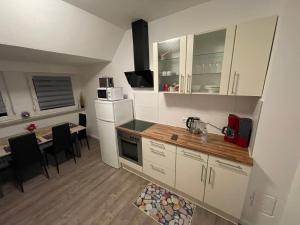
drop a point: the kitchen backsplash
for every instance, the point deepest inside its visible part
(172, 108)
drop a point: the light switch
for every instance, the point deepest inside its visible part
(266, 204)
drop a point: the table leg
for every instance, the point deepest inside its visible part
(77, 147)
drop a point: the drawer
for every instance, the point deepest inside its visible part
(224, 163)
(162, 174)
(158, 145)
(192, 154)
(159, 156)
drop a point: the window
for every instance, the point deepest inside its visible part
(53, 91)
(3, 111)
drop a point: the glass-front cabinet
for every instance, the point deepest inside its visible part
(208, 61)
(169, 64)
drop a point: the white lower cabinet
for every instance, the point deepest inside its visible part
(219, 183)
(159, 160)
(159, 172)
(191, 169)
(226, 185)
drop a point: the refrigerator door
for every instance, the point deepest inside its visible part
(108, 143)
(118, 112)
(123, 111)
(104, 110)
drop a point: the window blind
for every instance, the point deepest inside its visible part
(2, 107)
(53, 91)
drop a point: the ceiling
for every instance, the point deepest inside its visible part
(123, 12)
(14, 53)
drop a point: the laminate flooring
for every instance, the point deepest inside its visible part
(87, 193)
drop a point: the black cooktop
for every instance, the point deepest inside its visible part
(137, 125)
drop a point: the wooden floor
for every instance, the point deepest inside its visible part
(88, 193)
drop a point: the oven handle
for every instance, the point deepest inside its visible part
(128, 140)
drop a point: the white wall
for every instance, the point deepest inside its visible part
(193, 20)
(17, 86)
(276, 151)
(291, 211)
(56, 26)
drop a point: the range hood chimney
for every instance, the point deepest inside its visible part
(142, 76)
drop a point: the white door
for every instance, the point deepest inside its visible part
(208, 61)
(191, 173)
(252, 49)
(169, 59)
(108, 143)
(226, 187)
(105, 110)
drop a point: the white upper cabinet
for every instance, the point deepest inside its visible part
(208, 61)
(252, 49)
(169, 65)
(228, 61)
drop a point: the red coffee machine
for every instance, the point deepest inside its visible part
(232, 129)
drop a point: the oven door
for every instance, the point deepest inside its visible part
(102, 93)
(130, 148)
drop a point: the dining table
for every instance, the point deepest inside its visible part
(44, 139)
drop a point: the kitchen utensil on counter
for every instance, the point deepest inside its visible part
(232, 129)
(196, 126)
(244, 134)
(166, 87)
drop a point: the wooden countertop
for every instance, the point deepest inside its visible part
(215, 144)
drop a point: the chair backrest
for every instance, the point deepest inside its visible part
(82, 119)
(25, 150)
(61, 137)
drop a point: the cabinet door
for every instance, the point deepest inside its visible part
(252, 49)
(208, 61)
(169, 65)
(190, 173)
(226, 187)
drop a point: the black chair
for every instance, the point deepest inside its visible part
(62, 142)
(25, 152)
(82, 134)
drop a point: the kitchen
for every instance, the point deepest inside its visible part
(194, 109)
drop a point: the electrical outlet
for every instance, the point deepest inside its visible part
(184, 119)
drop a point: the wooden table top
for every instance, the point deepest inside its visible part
(40, 134)
(215, 144)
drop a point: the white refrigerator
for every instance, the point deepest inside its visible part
(109, 115)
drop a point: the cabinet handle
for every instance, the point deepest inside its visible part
(190, 84)
(182, 83)
(157, 145)
(158, 169)
(227, 164)
(157, 152)
(236, 83)
(198, 157)
(202, 173)
(210, 169)
(233, 84)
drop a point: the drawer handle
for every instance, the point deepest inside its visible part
(158, 169)
(198, 157)
(157, 145)
(158, 152)
(203, 168)
(210, 170)
(227, 164)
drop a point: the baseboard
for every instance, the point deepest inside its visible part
(94, 136)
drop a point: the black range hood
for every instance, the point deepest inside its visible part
(142, 77)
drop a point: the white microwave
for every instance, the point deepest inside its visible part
(110, 93)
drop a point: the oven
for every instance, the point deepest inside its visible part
(130, 147)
